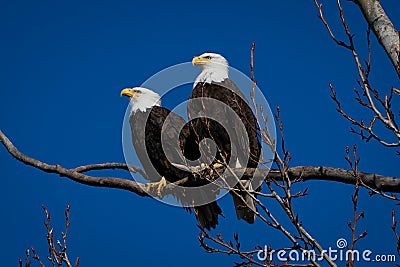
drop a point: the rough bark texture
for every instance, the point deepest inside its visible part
(302, 173)
(383, 29)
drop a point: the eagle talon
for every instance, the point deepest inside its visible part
(160, 185)
(200, 167)
(218, 165)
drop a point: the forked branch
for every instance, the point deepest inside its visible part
(58, 250)
(367, 96)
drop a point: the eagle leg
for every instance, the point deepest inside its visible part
(159, 185)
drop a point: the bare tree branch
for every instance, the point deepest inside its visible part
(304, 173)
(73, 174)
(322, 173)
(394, 229)
(383, 29)
(58, 252)
(353, 162)
(369, 97)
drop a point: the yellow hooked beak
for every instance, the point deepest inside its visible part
(129, 92)
(200, 61)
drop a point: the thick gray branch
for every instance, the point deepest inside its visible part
(74, 174)
(374, 181)
(383, 29)
(304, 173)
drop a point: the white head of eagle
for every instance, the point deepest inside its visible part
(141, 98)
(214, 68)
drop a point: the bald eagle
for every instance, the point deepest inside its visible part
(147, 120)
(213, 82)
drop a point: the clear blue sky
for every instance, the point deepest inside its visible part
(62, 66)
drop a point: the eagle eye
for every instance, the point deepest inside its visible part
(208, 57)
